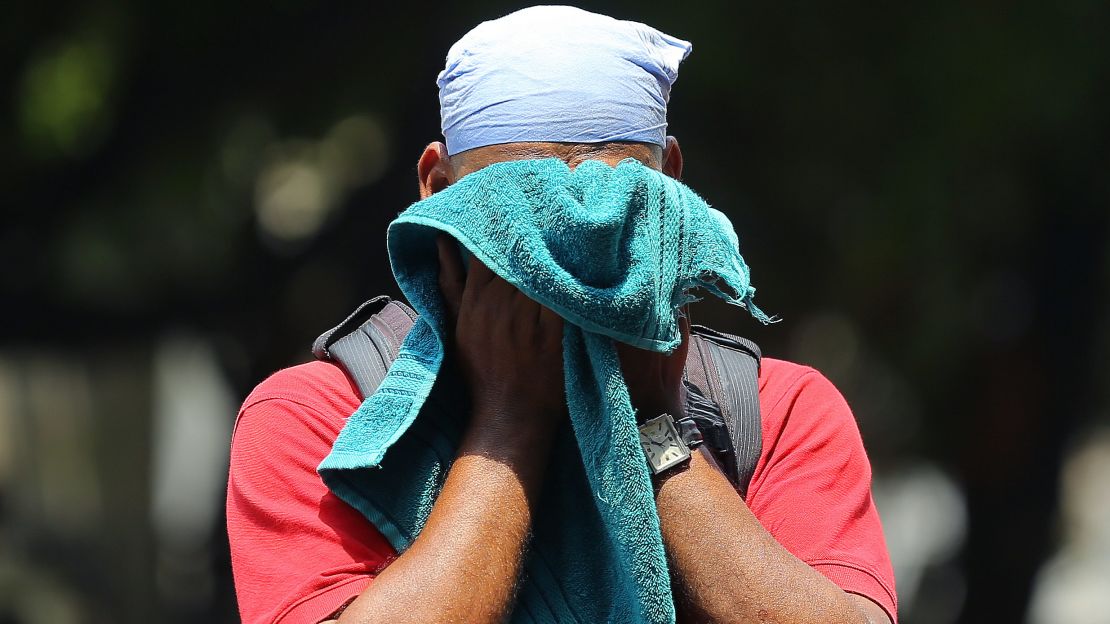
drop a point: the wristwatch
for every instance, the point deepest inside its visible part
(667, 443)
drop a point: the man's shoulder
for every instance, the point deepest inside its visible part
(778, 376)
(785, 386)
(317, 385)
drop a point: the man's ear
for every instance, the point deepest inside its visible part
(433, 170)
(672, 159)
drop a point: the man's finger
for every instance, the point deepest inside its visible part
(684, 329)
(479, 274)
(550, 318)
(675, 364)
(452, 277)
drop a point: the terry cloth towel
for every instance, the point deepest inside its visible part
(615, 251)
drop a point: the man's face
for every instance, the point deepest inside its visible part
(572, 153)
(436, 170)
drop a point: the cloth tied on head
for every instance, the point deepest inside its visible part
(559, 74)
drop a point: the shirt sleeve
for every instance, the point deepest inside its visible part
(812, 489)
(298, 553)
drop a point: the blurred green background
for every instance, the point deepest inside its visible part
(192, 192)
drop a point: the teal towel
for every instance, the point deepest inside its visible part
(615, 251)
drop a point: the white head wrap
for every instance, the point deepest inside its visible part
(557, 73)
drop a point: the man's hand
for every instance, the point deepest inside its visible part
(654, 379)
(508, 347)
(464, 565)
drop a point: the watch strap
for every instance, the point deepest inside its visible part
(689, 432)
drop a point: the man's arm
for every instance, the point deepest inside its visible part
(728, 568)
(464, 565)
(725, 566)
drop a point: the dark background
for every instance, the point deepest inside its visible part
(192, 192)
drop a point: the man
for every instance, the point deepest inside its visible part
(806, 544)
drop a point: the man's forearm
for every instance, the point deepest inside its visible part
(465, 563)
(728, 568)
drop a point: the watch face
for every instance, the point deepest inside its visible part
(662, 444)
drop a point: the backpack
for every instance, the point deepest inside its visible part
(721, 377)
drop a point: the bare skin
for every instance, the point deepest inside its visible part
(466, 563)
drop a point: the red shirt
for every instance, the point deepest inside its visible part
(298, 553)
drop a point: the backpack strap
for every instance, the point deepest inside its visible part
(725, 368)
(366, 342)
(722, 374)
